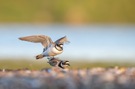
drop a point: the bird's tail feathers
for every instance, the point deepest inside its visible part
(39, 56)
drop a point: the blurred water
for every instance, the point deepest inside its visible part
(87, 41)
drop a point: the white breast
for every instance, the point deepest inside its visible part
(52, 51)
(55, 51)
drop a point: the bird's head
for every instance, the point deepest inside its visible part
(66, 63)
(59, 46)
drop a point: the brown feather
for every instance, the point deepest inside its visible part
(44, 40)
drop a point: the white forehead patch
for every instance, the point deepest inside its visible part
(61, 45)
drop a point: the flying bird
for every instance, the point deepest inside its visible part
(51, 48)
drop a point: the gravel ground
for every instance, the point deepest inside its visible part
(94, 78)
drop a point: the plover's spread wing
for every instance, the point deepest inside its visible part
(62, 40)
(44, 40)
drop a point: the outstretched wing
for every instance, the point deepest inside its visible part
(44, 40)
(62, 40)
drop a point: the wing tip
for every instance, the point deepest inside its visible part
(66, 41)
(20, 38)
(65, 36)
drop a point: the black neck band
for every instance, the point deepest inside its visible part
(60, 65)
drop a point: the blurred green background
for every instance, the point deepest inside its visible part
(67, 11)
(73, 12)
(41, 64)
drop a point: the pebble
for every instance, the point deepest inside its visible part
(48, 78)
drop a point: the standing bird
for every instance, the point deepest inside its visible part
(51, 48)
(58, 63)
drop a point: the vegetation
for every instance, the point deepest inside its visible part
(67, 11)
(40, 64)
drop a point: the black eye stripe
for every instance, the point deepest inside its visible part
(61, 48)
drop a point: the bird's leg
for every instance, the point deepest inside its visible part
(49, 58)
